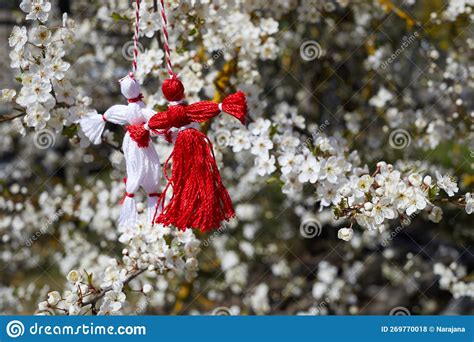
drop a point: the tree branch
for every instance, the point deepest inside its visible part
(102, 293)
(9, 117)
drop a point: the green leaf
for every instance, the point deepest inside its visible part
(70, 131)
(272, 180)
(273, 130)
(117, 16)
(432, 192)
(89, 277)
(338, 212)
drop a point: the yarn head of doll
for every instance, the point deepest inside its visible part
(129, 87)
(173, 89)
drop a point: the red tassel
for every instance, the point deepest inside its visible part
(175, 116)
(183, 114)
(139, 134)
(202, 111)
(199, 199)
(236, 105)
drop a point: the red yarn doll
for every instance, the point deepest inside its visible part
(199, 198)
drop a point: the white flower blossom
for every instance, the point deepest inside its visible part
(436, 214)
(345, 234)
(469, 203)
(40, 35)
(310, 169)
(73, 276)
(18, 38)
(261, 146)
(447, 184)
(54, 297)
(36, 9)
(416, 202)
(149, 23)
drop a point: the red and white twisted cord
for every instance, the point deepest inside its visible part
(136, 37)
(164, 24)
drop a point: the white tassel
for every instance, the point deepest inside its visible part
(93, 126)
(128, 213)
(150, 208)
(117, 114)
(151, 177)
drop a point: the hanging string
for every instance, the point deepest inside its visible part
(135, 37)
(164, 24)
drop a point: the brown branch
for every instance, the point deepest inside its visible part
(9, 117)
(102, 293)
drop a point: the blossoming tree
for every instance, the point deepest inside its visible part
(352, 181)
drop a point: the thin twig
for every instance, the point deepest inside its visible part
(9, 117)
(102, 293)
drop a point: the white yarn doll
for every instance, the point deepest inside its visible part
(141, 160)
